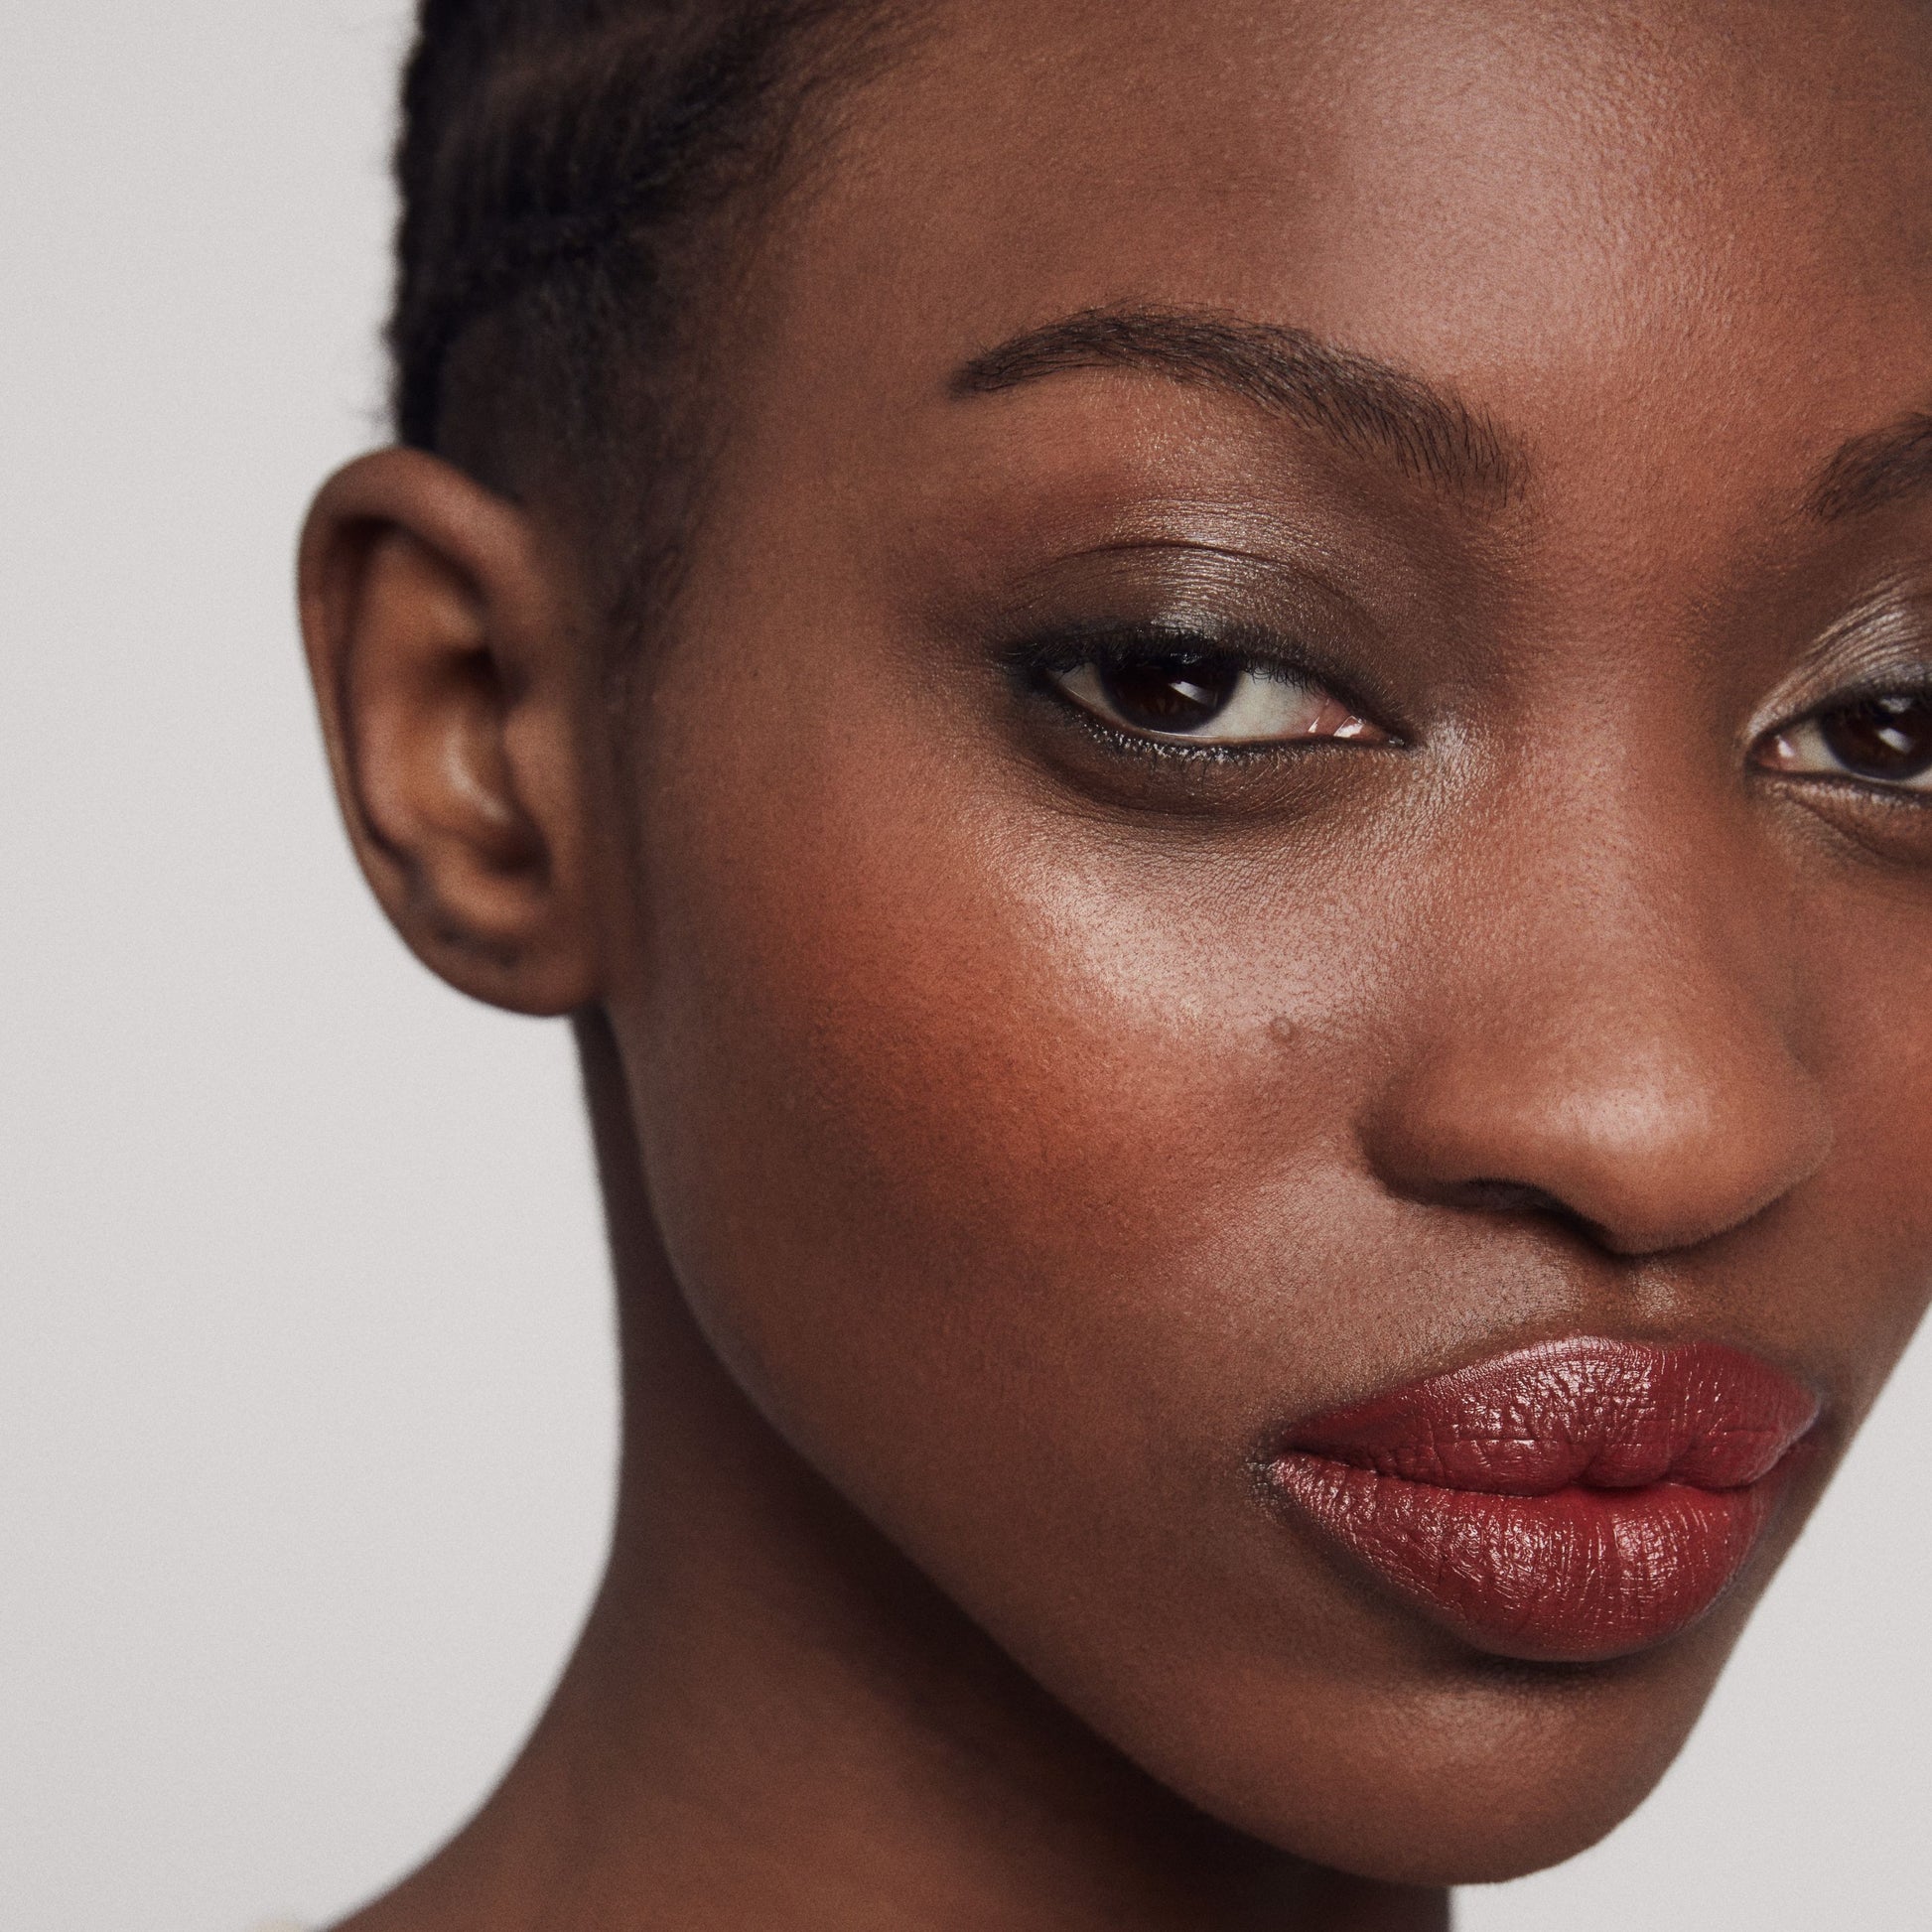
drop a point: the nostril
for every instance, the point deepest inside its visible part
(1515, 1197)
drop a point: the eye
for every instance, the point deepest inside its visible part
(1184, 697)
(1884, 741)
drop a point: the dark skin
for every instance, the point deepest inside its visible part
(1009, 1121)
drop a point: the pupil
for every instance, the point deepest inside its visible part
(1883, 738)
(1173, 694)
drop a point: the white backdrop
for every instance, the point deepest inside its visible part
(306, 1416)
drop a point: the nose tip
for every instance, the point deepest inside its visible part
(1645, 1144)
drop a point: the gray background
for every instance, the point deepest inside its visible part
(306, 1415)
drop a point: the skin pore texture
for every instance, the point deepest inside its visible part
(1015, 1122)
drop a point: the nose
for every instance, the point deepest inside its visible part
(1614, 1051)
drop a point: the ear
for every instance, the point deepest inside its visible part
(446, 669)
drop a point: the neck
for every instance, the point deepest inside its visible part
(773, 1721)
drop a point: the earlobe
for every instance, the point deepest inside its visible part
(444, 668)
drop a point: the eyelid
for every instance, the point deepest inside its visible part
(1267, 593)
(1881, 645)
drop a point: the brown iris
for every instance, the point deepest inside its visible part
(1885, 738)
(1175, 694)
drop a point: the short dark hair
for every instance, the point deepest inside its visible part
(571, 171)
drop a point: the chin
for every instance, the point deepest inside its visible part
(1449, 1766)
(1478, 1795)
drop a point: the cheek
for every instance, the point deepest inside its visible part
(1864, 1250)
(970, 1133)
(988, 1121)
(968, 1180)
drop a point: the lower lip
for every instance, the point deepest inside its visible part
(1575, 1576)
(1578, 1574)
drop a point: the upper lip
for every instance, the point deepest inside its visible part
(1571, 1501)
(1588, 1411)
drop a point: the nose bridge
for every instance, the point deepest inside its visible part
(1613, 1032)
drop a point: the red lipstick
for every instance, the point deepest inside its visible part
(1570, 1502)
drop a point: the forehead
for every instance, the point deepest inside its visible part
(1620, 226)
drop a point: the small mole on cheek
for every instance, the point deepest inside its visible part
(1283, 1031)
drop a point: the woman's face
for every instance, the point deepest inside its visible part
(1368, 811)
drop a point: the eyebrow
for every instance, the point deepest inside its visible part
(1363, 405)
(1874, 472)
